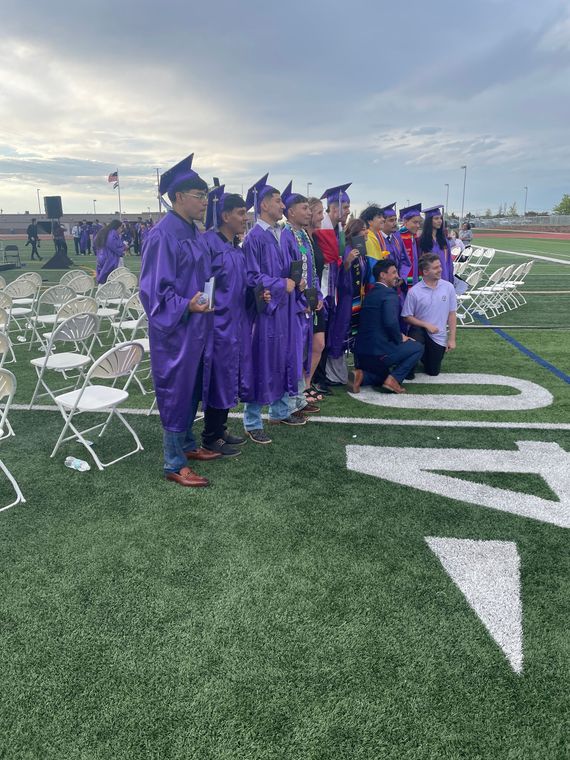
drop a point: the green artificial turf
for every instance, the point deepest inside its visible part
(291, 611)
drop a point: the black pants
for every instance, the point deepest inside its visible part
(34, 244)
(76, 244)
(214, 424)
(433, 352)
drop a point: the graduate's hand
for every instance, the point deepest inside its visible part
(290, 285)
(302, 285)
(351, 255)
(450, 345)
(266, 295)
(432, 329)
(194, 306)
(319, 306)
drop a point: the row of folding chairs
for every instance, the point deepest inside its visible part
(97, 392)
(500, 293)
(473, 260)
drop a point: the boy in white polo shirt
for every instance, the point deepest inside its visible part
(430, 309)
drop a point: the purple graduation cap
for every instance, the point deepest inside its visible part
(288, 197)
(257, 193)
(410, 211)
(337, 195)
(177, 175)
(389, 210)
(434, 211)
(216, 198)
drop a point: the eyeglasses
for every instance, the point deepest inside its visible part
(199, 196)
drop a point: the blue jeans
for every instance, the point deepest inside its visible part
(278, 410)
(176, 444)
(298, 402)
(376, 368)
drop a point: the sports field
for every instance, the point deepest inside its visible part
(343, 593)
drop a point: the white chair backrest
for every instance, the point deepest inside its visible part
(456, 251)
(83, 283)
(78, 327)
(5, 300)
(495, 276)
(529, 266)
(110, 291)
(489, 253)
(7, 390)
(117, 362)
(474, 278)
(518, 271)
(32, 277)
(55, 296)
(71, 275)
(2, 283)
(477, 254)
(116, 273)
(79, 305)
(507, 272)
(21, 289)
(129, 280)
(5, 348)
(133, 305)
(4, 314)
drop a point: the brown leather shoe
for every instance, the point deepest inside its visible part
(203, 455)
(186, 477)
(392, 385)
(310, 408)
(355, 378)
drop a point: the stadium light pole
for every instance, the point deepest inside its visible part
(309, 189)
(525, 188)
(39, 204)
(158, 190)
(463, 197)
(95, 206)
(447, 198)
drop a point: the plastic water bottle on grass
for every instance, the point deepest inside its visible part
(76, 464)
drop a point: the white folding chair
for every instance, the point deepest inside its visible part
(51, 299)
(129, 321)
(5, 302)
(5, 347)
(78, 305)
(19, 291)
(140, 335)
(120, 361)
(66, 278)
(82, 285)
(79, 329)
(7, 391)
(130, 283)
(2, 283)
(34, 282)
(116, 273)
(108, 294)
(465, 302)
(34, 277)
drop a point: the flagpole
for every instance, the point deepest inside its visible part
(119, 189)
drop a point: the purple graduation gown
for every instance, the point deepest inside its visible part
(109, 257)
(276, 369)
(84, 239)
(397, 252)
(231, 376)
(175, 266)
(446, 260)
(302, 341)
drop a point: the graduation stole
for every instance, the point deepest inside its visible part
(305, 247)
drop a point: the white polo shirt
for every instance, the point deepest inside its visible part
(432, 305)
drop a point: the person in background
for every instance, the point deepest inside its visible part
(373, 218)
(33, 239)
(109, 249)
(85, 239)
(383, 356)
(76, 232)
(430, 309)
(433, 240)
(317, 390)
(466, 234)
(357, 264)
(411, 223)
(455, 244)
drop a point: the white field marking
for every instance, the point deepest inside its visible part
(359, 420)
(414, 467)
(531, 255)
(488, 574)
(531, 396)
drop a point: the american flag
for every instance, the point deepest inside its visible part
(114, 177)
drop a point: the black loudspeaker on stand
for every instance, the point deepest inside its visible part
(54, 211)
(53, 207)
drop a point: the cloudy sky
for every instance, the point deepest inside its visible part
(394, 97)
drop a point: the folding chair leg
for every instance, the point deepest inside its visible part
(19, 495)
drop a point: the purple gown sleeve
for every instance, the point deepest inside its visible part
(164, 306)
(115, 243)
(255, 277)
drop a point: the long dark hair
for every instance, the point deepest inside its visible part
(426, 238)
(101, 237)
(353, 229)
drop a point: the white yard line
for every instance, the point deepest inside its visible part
(363, 420)
(534, 256)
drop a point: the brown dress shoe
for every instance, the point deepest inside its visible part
(392, 385)
(186, 477)
(311, 408)
(203, 455)
(355, 378)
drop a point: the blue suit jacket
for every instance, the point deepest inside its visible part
(379, 328)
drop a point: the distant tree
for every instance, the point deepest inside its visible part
(513, 209)
(488, 212)
(500, 211)
(564, 205)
